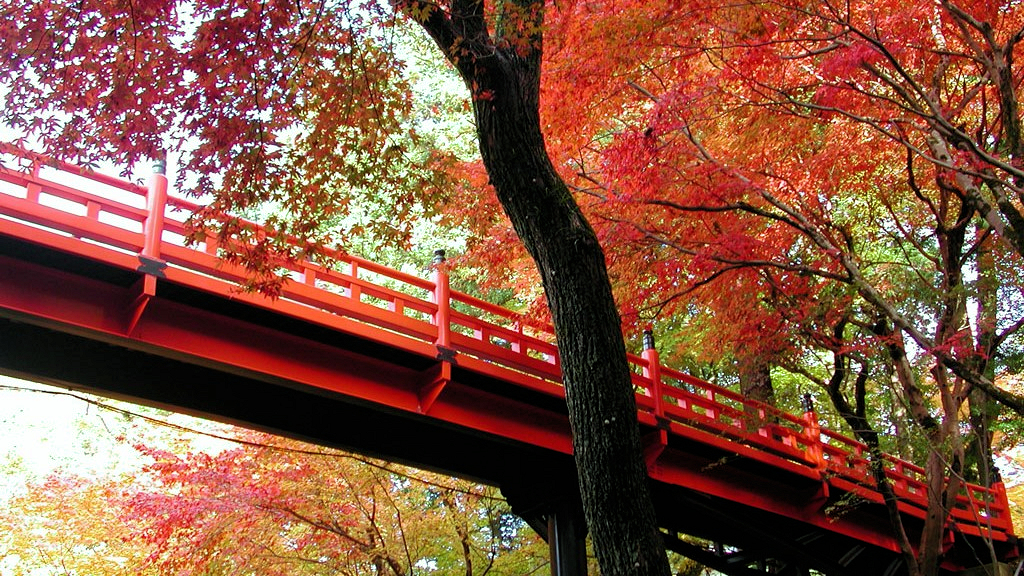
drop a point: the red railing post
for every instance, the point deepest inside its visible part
(438, 378)
(1002, 502)
(653, 370)
(156, 201)
(656, 442)
(442, 296)
(812, 434)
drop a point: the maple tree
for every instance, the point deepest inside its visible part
(291, 508)
(41, 531)
(839, 177)
(259, 503)
(832, 189)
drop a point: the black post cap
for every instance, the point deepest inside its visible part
(648, 339)
(807, 402)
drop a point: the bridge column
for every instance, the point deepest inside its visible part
(544, 492)
(567, 534)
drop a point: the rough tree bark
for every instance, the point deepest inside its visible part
(502, 70)
(756, 380)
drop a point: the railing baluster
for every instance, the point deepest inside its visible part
(32, 192)
(210, 242)
(711, 410)
(517, 344)
(355, 292)
(901, 477)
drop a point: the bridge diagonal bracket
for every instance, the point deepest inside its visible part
(433, 383)
(140, 293)
(654, 443)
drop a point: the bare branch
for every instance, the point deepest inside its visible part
(642, 90)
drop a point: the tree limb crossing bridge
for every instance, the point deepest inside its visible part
(98, 292)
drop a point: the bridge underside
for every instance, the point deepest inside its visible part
(539, 483)
(324, 386)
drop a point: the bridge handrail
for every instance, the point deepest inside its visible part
(38, 161)
(355, 263)
(429, 311)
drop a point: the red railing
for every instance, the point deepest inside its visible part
(112, 215)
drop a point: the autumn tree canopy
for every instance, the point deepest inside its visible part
(245, 502)
(840, 178)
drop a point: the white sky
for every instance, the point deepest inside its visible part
(39, 429)
(41, 432)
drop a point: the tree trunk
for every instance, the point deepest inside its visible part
(856, 418)
(599, 391)
(502, 71)
(756, 384)
(983, 408)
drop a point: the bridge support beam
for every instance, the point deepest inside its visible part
(567, 534)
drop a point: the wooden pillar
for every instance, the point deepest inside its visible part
(567, 542)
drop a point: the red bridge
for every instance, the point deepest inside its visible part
(99, 293)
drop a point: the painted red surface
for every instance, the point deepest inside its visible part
(74, 210)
